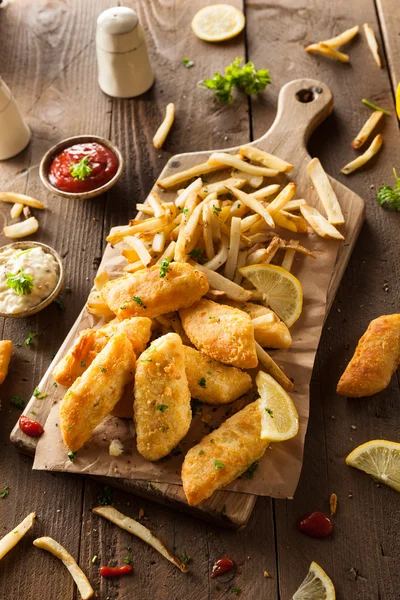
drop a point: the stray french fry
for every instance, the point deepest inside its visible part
(269, 190)
(16, 210)
(232, 161)
(319, 224)
(219, 187)
(342, 38)
(364, 158)
(266, 159)
(165, 127)
(5, 357)
(202, 169)
(325, 192)
(84, 587)
(219, 282)
(282, 198)
(140, 531)
(101, 279)
(289, 257)
(372, 43)
(21, 229)
(253, 180)
(367, 129)
(325, 50)
(14, 198)
(273, 369)
(254, 204)
(233, 251)
(11, 539)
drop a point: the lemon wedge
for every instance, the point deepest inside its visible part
(398, 101)
(316, 586)
(218, 22)
(378, 458)
(279, 418)
(280, 290)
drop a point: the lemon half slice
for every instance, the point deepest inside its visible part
(398, 101)
(378, 458)
(279, 417)
(316, 586)
(280, 290)
(218, 22)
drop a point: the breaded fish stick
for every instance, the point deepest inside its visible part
(223, 455)
(212, 382)
(91, 398)
(222, 332)
(92, 341)
(376, 358)
(161, 406)
(149, 293)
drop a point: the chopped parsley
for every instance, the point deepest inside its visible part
(218, 464)
(71, 456)
(184, 211)
(201, 452)
(39, 395)
(102, 369)
(164, 429)
(28, 341)
(185, 558)
(68, 289)
(104, 497)
(270, 412)
(60, 303)
(202, 382)
(71, 426)
(197, 254)
(162, 407)
(216, 209)
(187, 62)
(236, 591)
(249, 474)
(20, 282)
(83, 364)
(123, 306)
(55, 384)
(138, 301)
(5, 492)
(127, 560)
(81, 170)
(164, 267)
(18, 402)
(146, 360)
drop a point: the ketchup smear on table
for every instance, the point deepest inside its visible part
(315, 524)
(102, 162)
(115, 571)
(31, 428)
(223, 565)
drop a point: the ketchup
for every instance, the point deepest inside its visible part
(315, 524)
(221, 566)
(115, 571)
(31, 428)
(99, 166)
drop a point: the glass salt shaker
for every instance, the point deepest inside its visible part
(123, 63)
(14, 132)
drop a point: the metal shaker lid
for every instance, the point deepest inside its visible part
(117, 29)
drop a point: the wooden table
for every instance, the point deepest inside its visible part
(48, 59)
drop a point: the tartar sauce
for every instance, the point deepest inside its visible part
(39, 272)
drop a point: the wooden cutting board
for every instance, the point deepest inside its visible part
(303, 104)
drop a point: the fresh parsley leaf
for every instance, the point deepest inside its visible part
(81, 170)
(127, 560)
(38, 395)
(185, 558)
(202, 382)
(104, 497)
(164, 267)
(68, 289)
(83, 364)
(245, 78)
(218, 464)
(164, 429)
(389, 197)
(71, 456)
(55, 384)
(28, 341)
(18, 402)
(162, 407)
(236, 591)
(216, 209)
(102, 369)
(138, 301)
(201, 452)
(375, 107)
(249, 474)
(184, 211)
(20, 282)
(270, 412)
(60, 303)
(187, 62)
(5, 492)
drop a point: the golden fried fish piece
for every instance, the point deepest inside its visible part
(148, 294)
(93, 395)
(211, 381)
(222, 332)
(223, 455)
(91, 341)
(376, 358)
(269, 335)
(162, 412)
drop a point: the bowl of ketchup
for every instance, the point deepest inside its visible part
(83, 166)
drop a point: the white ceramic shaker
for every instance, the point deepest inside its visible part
(14, 132)
(122, 59)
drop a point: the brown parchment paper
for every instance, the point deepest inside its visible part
(279, 470)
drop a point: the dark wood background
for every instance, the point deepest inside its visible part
(48, 59)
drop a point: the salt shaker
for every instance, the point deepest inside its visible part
(14, 132)
(123, 63)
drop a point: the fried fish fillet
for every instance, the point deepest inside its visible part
(223, 455)
(376, 358)
(161, 406)
(147, 293)
(91, 341)
(274, 334)
(212, 382)
(93, 395)
(221, 332)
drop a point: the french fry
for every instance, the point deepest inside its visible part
(145, 209)
(232, 161)
(266, 159)
(22, 228)
(181, 242)
(367, 129)
(97, 306)
(254, 204)
(372, 43)
(16, 210)
(139, 248)
(221, 283)
(273, 369)
(207, 232)
(84, 587)
(220, 258)
(248, 222)
(152, 224)
(101, 279)
(265, 192)
(319, 224)
(14, 198)
(159, 241)
(253, 180)
(297, 220)
(135, 528)
(11, 539)
(325, 192)
(168, 253)
(233, 250)
(289, 257)
(342, 38)
(219, 187)
(165, 127)
(135, 266)
(294, 245)
(325, 50)
(202, 169)
(154, 201)
(282, 198)
(265, 255)
(241, 261)
(364, 158)
(285, 222)
(5, 357)
(294, 204)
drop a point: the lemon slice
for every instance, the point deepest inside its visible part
(378, 458)
(316, 586)
(281, 291)
(218, 22)
(279, 418)
(398, 101)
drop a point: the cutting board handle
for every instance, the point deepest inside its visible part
(302, 105)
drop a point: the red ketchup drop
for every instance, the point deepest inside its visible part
(31, 428)
(315, 524)
(115, 571)
(102, 163)
(223, 565)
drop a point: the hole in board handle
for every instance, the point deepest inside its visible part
(308, 95)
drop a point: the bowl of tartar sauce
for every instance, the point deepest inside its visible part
(31, 277)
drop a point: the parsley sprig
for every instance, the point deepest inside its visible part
(20, 282)
(245, 78)
(389, 197)
(81, 170)
(164, 267)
